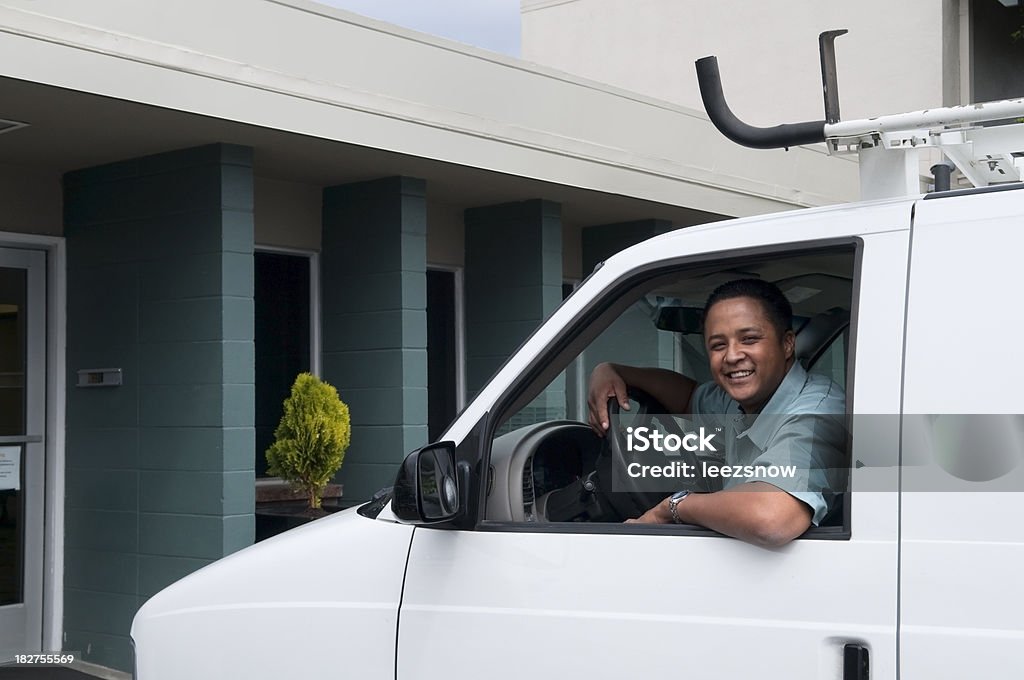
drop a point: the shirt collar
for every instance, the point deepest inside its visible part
(762, 430)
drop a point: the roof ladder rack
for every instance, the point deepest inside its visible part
(888, 146)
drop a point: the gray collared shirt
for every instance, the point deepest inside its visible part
(797, 443)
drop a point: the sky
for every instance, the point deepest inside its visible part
(490, 24)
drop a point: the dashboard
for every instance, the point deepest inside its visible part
(529, 463)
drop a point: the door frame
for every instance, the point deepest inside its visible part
(460, 330)
(55, 250)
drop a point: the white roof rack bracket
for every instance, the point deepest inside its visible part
(888, 173)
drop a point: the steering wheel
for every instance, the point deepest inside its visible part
(631, 499)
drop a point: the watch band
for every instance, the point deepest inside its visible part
(673, 503)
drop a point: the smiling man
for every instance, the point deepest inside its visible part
(775, 413)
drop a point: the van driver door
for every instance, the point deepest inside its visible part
(588, 600)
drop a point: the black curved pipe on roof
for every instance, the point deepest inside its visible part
(780, 136)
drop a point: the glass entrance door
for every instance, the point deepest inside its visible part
(22, 462)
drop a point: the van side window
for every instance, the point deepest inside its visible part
(549, 466)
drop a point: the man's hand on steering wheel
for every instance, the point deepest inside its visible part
(631, 499)
(605, 383)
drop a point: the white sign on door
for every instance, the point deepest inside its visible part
(10, 467)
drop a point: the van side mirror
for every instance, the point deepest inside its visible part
(427, 488)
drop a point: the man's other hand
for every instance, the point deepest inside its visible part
(659, 514)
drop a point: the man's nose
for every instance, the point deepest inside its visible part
(734, 352)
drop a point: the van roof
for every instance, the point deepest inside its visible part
(791, 226)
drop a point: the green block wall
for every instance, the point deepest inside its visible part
(513, 276)
(599, 242)
(374, 334)
(632, 339)
(159, 471)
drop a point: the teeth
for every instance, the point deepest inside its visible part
(740, 374)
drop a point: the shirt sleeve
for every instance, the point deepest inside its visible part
(806, 458)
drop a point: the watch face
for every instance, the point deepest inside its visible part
(679, 495)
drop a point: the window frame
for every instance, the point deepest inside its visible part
(315, 363)
(460, 330)
(569, 341)
(315, 357)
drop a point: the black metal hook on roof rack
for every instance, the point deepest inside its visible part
(780, 136)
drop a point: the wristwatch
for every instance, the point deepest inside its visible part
(673, 501)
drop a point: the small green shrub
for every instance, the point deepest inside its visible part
(311, 439)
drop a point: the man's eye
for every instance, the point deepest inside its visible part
(750, 339)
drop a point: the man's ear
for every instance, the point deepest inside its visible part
(789, 343)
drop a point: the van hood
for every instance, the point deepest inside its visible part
(330, 588)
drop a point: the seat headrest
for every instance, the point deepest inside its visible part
(814, 337)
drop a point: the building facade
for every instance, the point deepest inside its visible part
(897, 57)
(199, 200)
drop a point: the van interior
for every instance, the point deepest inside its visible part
(546, 464)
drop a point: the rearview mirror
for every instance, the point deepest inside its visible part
(679, 319)
(427, 488)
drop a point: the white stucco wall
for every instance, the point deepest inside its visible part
(31, 202)
(286, 214)
(572, 252)
(891, 61)
(446, 231)
(297, 66)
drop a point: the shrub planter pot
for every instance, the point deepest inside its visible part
(279, 508)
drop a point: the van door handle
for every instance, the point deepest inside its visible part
(855, 662)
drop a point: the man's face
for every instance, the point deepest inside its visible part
(747, 356)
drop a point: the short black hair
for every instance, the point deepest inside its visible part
(774, 303)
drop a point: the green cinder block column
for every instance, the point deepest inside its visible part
(513, 281)
(159, 470)
(599, 242)
(632, 338)
(374, 334)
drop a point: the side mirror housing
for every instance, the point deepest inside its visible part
(427, 488)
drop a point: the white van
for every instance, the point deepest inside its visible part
(499, 554)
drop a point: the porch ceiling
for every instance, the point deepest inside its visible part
(69, 130)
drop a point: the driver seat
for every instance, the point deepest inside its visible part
(818, 333)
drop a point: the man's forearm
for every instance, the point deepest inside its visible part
(671, 389)
(755, 512)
